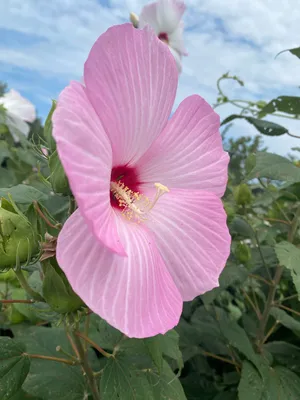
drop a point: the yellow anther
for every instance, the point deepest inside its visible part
(135, 205)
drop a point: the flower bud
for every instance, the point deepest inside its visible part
(242, 253)
(17, 239)
(134, 19)
(243, 194)
(58, 177)
(57, 290)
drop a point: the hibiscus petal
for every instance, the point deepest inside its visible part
(192, 237)
(169, 14)
(177, 58)
(135, 294)
(148, 16)
(16, 126)
(131, 80)
(18, 106)
(176, 40)
(189, 153)
(85, 152)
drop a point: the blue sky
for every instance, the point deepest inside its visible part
(45, 43)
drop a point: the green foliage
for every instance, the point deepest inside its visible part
(14, 367)
(240, 341)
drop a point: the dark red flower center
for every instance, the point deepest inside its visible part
(163, 36)
(127, 176)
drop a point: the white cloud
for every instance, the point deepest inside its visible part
(238, 36)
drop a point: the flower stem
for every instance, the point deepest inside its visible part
(226, 360)
(83, 357)
(23, 282)
(93, 344)
(57, 359)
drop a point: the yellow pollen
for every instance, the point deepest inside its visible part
(135, 205)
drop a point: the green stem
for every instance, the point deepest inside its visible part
(85, 363)
(23, 282)
(276, 280)
(57, 359)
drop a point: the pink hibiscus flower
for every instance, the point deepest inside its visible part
(164, 16)
(150, 230)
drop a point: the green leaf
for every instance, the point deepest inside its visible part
(153, 344)
(25, 309)
(170, 346)
(273, 166)
(241, 227)
(23, 194)
(120, 381)
(285, 354)
(57, 292)
(106, 336)
(166, 385)
(48, 379)
(238, 338)
(227, 396)
(282, 384)
(295, 51)
(48, 129)
(286, 104)
(285, 319)
(14, 367)
(250, 386)
(265, 127)
(289, 256)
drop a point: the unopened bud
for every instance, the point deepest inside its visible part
(243, 194)
(134, 19)
(17, 239)
(242, 253)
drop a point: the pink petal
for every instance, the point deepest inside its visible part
(189, 153)
(169, 14)
(131, 80)
(192, 237)
(85, 152)
(135, 294)
(18, 106)
(177, 58)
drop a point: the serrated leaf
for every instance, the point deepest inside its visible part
(14, 367)
(285, 319)
(275, 167)
(250, 386)
(265, 127)
(286, 104)
(289, 256)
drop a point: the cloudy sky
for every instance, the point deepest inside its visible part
(44, 44)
